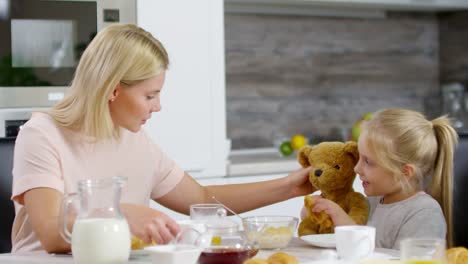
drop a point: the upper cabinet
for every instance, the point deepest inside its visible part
(341, 7)
(191, 127)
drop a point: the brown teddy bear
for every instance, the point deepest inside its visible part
(333, 174)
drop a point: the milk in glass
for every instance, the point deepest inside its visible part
(100, 240)
(100, 233)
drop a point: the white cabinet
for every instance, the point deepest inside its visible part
(191, 127)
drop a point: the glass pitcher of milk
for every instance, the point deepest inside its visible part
(100, 233)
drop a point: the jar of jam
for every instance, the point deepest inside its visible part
(224, 243)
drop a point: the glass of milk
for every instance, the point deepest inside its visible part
(100, 232)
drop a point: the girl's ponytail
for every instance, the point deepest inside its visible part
(441, 187)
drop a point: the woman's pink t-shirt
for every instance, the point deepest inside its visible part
(47, 155)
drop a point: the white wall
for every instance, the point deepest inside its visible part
(191, 127)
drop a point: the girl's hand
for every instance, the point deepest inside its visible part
(336, 213)
(304, 212)
(299, 182)
(149, 224)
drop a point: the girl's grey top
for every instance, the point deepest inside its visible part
(419, 216)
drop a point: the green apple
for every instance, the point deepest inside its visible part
(285, 148)
(356, 129)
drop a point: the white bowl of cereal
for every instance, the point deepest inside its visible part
(270, 232)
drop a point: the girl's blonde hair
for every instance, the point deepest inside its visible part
(398, 137)
(119, 54)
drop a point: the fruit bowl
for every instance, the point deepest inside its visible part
(270, 232)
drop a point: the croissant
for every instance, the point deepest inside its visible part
(457, 255)
(282, 258)
(139, 244)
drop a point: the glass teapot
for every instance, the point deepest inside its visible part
(100, 232)
(224, 243)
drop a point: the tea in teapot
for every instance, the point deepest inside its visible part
(225, 243)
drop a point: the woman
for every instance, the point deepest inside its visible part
(95, 132)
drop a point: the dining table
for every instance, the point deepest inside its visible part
(304, 252)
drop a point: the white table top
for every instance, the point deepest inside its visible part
(306, 254)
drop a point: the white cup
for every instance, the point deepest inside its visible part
(354, 242)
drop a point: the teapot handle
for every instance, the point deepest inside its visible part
(66, 202)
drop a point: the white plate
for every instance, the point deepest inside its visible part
(322, 240)
(138, 253)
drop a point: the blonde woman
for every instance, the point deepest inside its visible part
(406, 166)
(95, 132)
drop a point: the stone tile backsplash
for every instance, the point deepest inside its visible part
(454, 47)
(317, 76)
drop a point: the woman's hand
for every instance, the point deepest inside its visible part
(149, 224)
(336, 213)
(299, 182)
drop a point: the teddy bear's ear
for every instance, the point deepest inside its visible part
(303, 156)
(352, 149)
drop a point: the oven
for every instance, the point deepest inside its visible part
(41, 44)
(42, 41)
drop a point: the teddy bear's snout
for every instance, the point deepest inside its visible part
(317, 173)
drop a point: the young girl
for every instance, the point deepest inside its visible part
(405, 164)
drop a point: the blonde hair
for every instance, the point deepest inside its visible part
(121, 53)
(398, 137)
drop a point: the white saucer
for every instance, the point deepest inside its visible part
(137, 253)
(322, 240)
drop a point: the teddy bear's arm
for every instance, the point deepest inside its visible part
(309, 202)
(358, 207)
(307, 227)
(315, 222)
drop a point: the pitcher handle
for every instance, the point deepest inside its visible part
(67, 201)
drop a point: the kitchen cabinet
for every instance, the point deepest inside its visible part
(7, 146)
(460, 199)
(191, 127)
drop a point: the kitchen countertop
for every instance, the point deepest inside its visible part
(259, 161)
